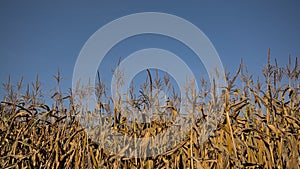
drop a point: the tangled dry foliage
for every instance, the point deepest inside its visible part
(259, 127)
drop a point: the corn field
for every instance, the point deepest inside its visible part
(258, 127)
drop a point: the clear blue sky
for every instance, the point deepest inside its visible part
(38, 37)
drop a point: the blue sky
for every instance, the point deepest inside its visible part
(38, 37)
